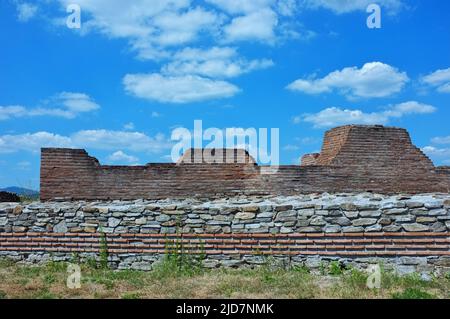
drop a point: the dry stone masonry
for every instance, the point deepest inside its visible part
(406, 232)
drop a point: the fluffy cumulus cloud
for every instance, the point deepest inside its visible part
(92, 139)
(148, 25)
(259, 25)
(216, 62)
(32, 142)
(372, 80)
(65, 104)
(345, 6)
(335, 116)
(162, 30)
(177, 89)
(439, 79)
(154, 28)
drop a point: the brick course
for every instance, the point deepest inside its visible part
(357, 244)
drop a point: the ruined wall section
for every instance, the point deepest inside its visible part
(353, 159)
(68, 174)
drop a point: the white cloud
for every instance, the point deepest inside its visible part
(65, 104)
(93, 139)
(155, 114)
(111, 140)
(235, 7)
(439, 153)
(441, 140)
(153, 28)
(216, 62)
(150, 26)
(257, 25)
(436, 152)
(26, 11)
(439, 79)
(32, 142)
(180, 28)
(158, 30)
(345, 6)
(287, 7)
(335, 116)
(12, 111)
(374, 79)
(76, 102)
(177, 89)
(120, 156)
(241, 6)
(291, 147)
(129, 126)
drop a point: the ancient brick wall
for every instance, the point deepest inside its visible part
(353, 159)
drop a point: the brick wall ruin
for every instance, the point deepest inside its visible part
(238, 214)
(353, 159)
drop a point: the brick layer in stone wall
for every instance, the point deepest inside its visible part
(343, 245)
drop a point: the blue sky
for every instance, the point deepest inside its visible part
(121, 83)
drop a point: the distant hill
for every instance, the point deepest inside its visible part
(20, 191)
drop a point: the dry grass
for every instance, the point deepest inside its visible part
(167, 281)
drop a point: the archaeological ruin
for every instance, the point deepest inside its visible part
(370, 196)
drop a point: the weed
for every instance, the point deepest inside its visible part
(91, 263)
(356, 278)
(322, 268)
(49, 279)
(131, 295)
(55, 266)
(44, 294)
(336, 268)
(178, 260)
(302, 269)
(412, 293)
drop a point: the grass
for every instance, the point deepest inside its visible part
(172, 279)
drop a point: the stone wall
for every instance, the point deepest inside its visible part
(353, 159)
(405, 232)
